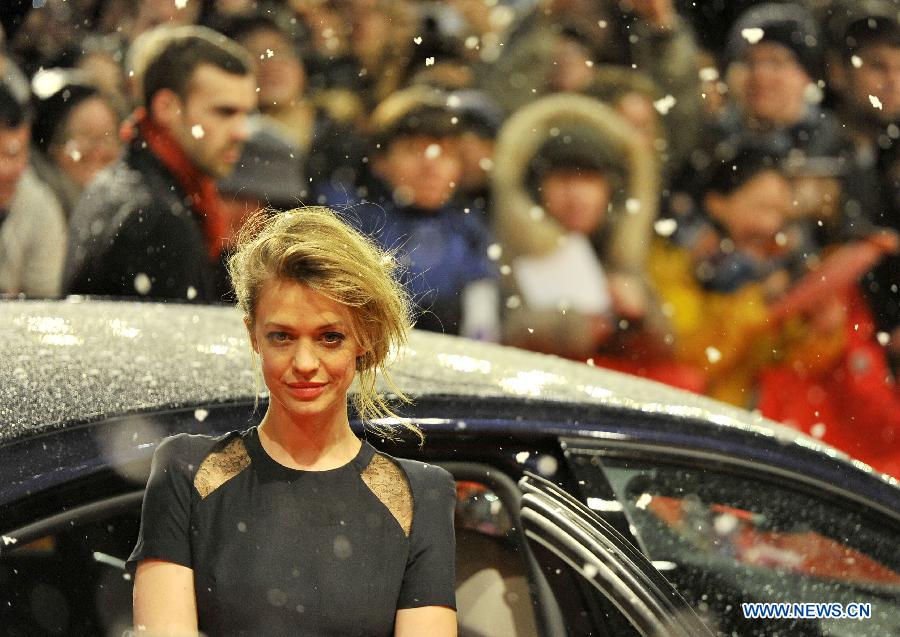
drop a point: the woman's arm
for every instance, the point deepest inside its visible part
(164, 600)
(435, 621)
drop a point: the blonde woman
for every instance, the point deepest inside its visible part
(296, 526)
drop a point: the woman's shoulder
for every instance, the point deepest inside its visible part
(423, 477)
(189, 450)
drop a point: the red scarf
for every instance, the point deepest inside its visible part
(199, 187)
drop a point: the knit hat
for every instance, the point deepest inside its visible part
(418, 110)
(789, 25)
(477, 112)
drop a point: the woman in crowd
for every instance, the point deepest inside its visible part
(296, 526)
(75, 135)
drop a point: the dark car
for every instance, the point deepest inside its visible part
(589, 503)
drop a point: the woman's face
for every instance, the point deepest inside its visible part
(308, 350)
(578, 200)
(91, 141)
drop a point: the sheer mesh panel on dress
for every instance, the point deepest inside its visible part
(389, 484)
(221, 466)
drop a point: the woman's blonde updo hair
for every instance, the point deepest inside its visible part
(313, 246)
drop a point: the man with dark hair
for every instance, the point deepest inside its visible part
(867, 82)
(32, 226)
(152, 225)
(867, 79)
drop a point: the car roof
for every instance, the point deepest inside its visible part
(80, 360)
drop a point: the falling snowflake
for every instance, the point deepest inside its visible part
(270, 53)
(547, 465)
(191, 293)
(197, 131)
(633, 206)
(753, 34)
(433, 151)
(713, 355)
(875, 102)
(495, 251)
(429, 61)
(486, 164)
(709, 74)
(884, 338)
(522, 456)
(817, 430)
(664, 105)
(75, 154)
(418, 39)
(200, 414)
(181, 4)
(665, 227)
(142, 283)
(856, 61)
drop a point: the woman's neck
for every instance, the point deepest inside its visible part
(315, 446)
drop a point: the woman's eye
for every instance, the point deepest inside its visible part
(333, 337)
(277, 337)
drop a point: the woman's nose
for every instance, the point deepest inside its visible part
(305, 359)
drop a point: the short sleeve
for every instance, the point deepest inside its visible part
(165, 516)
(430, 578)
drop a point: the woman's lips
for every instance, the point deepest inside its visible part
(306, 391)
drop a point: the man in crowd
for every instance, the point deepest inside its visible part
(32, 226)
(153, 224)
(867, 81)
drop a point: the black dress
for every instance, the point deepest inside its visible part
(279, 551)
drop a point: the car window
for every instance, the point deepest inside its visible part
(725, 540)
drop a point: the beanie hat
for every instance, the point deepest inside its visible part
(789, 25)
(418, 110)
(477, 112)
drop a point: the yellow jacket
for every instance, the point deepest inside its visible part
(729, 335)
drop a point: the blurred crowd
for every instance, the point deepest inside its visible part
(575, 177)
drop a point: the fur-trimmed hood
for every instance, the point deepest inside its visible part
(522, 227)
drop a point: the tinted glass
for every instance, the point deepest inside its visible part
(724, 540)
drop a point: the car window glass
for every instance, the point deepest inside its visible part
(70, 583)
(492, 589)
(724, 540)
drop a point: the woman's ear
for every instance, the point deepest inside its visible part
(249, 325)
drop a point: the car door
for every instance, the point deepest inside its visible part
(737, 538)
(590, 566)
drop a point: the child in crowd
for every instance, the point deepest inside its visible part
(408, 204)
(743, 311)
(563, 221)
